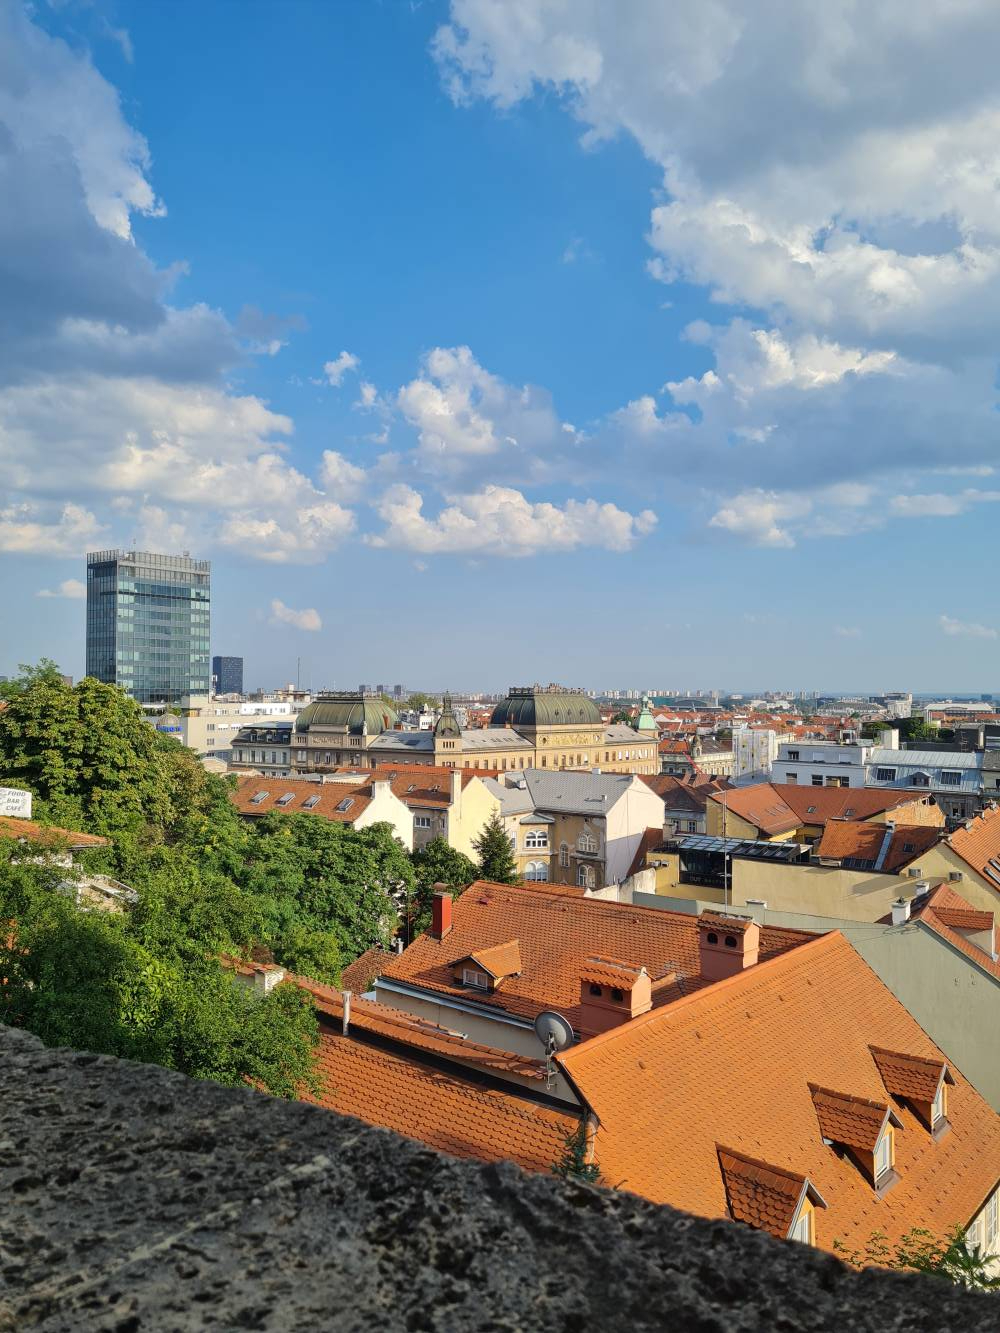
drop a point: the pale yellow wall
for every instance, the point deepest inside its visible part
(854, 895)
(941, 861)
(386, 808)
(469, 815)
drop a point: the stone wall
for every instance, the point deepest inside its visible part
(136, 1199)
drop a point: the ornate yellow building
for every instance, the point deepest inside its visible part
(534, 727)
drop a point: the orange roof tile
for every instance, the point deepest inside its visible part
(327, 797)
(759, 805)
(762, 1196)
(610, 972)
(499, 960)
(943, 903)
(44, 835)
(558, 930)
(359, 975)
(844, 1118)
(731, 1065)
(978, 844)
(857, 840)
(911, 1076)
(440, 1109)
(818, 805)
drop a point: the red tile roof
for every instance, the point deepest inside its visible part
(558, 930)
(328, 796)
(731, 1065)
(944, 905)
(499, 960)
(762, 1196)
(781, 807)
(978, 844)
(47, 836)
(435, 1107)
(860, 841)
(359, 975)
(911, 1076)
(844, 1118)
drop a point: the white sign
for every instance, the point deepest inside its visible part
(15, 802)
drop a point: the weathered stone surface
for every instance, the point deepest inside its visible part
(135, 1199)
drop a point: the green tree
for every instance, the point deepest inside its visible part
(573, 1164)
(45, 672)
(623, 715)
(496, 859)
(436, 863)
(916, 729)
(419, 701)
(949, 1257)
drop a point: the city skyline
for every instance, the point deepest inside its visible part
(479, 357)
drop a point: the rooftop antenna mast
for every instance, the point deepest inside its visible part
(725, 850)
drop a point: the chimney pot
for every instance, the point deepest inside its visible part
(726, 947)
(346, 1023)
(440, 912)
(900, 912)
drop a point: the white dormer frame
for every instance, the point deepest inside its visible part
(806, 1215)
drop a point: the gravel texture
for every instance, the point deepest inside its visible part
(132, 1198)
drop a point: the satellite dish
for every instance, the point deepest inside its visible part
(553, 1031)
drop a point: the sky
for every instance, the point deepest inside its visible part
(492, 341)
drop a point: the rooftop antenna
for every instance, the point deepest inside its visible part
(555, 1033)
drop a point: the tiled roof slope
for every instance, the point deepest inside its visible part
(978, 844)
(421, 784)
(557, 932)
(359, 975)
(909, 1075)
(676, 795)
(818, 805)
(732, 1065)
(759, 805)
(760, 1195)
(861, 841)
(44, 835)
(943, 906)
(856, 1121)
(436, 1108)
(330, 795)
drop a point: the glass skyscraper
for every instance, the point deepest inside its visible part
(148, 623)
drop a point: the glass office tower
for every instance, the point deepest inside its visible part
(148, 623)
(227, 675)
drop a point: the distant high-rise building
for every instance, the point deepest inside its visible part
(148, 623)
(227, 675)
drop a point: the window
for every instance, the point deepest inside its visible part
(793, 755)
(792, 778)
(310, 803)
(585, 877)
(345, 805)
(937, 1105)
(471, 976)
(286, 799)
(883, 1155)
(817, 779)
(563, 855)
(536, 870)
(802, 1228)
(258, 797)
(586, 843)
(885, 775)
(991, 1221)
(692, 826)
(421, 821)
(536, 838)
(949, 778)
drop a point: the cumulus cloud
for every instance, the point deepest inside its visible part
(810, 177)
(31, 529)
(307, 619)
(499, 521)
(971, 629)
(757, 516)
(72, 589)
(336, 370)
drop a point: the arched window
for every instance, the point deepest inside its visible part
(536, 870)
(536, 838)
(585, 877)
(564, 854)
(586, 842)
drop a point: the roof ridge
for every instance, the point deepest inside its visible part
(822, 943)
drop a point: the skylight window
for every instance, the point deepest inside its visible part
(286, 799)
(259, 797)
(310, 803)
(345, 804)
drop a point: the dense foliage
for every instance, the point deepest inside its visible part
(950, 1257)
(496, 859)
(147, 983)
(436, 863)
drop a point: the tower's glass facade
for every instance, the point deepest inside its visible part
(148, 623)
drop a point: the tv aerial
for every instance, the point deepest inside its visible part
(555, 1033)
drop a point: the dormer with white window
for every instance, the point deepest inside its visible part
(921, 1083)
(487, 969)
(769, 1198)
(861, 1129)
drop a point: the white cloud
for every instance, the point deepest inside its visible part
(499, 521)
(302, 537)
(307, 619)
(31, 529)
(968, 628)
(757, 515)
(337, 369)
(338, 474)
(72, 589)
(461, 411)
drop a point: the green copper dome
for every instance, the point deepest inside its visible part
(548, 707)
(446, 727)
(354, 712)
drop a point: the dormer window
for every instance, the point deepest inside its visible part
(937, 1106)
(883, 1156)
(471, 976)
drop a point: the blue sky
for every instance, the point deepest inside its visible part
(481, 342)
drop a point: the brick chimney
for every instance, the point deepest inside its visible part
(440, 912)
(612, 993)
(726, 945)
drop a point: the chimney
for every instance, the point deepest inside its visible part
(726, 945)
(888, 738)
(900, 911)
(266, 976)
(440, 912)
(346, 1022)
(456, 788)
(612, 993)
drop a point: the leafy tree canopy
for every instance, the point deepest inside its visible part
(496, 860)
(436, 863)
